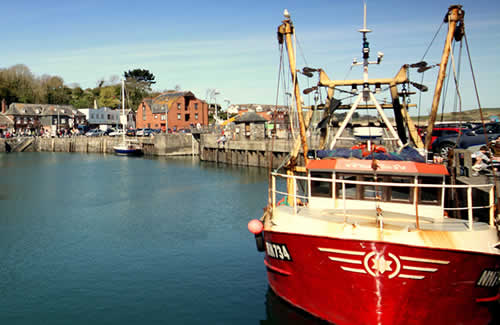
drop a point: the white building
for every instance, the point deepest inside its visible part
(103, 117)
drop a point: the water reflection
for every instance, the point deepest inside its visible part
(280, 312)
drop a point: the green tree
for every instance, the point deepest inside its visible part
(138, 85)
(109, 96)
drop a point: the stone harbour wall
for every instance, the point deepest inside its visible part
(159, 145)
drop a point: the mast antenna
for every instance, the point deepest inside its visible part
(364, 29)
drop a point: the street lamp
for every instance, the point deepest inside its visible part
(215, 93)
(227, 101)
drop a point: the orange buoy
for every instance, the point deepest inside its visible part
(255, 226)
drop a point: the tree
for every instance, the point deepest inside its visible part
(109, 96)
(142, 76)
(138, 82)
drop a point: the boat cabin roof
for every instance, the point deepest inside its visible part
(383, 167)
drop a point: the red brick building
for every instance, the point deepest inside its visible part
(173, 110)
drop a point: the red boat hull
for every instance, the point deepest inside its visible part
(349, 282)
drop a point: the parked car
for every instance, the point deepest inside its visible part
(108, 131)
(116, 133)
(131, 132)
(475, 137)
(94, 133)
(443, 139)
(144, 132)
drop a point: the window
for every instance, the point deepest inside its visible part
(371, 192)
(156, 116)
(400, 193)
(186, 117)
(196, 106)
(178, 106)
(143, 115)
(163, 117)
(427, 194)
(178, 116)
(350, 189)
(109, 116)
(196, 116)
(321, 188)
(156, 125)
(149, 125)
(91, 115)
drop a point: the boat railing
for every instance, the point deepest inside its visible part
(297, 198)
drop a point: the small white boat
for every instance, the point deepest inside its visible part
(127, 147)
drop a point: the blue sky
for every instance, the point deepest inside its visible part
(232, 46)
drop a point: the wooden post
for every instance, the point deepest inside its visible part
(455, 14)
(492, 206)
(469, 206)
(287, 30)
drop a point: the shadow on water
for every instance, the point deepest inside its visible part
(278, 311)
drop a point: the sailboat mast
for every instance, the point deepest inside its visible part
(455, 14)
(123, 120)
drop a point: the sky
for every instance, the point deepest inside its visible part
(231, 46)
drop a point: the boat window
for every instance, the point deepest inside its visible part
(399, 193)
(427, 194)
(321, 188)
(371, 192)
(350, 189)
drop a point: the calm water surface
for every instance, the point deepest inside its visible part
(100, 239)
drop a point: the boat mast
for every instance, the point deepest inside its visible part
(455, 14)
(286, 29)
(366, 94)
(122, 118)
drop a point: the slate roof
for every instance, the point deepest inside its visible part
(250, 117)
(162, 102)
(42, 110)
(5, 120)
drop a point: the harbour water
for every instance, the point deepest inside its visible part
(101, 239)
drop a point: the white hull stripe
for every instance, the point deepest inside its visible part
(340, 251)
(345, 260)
(415, 277)
(423, 269)
(423, 260)
(350, 269)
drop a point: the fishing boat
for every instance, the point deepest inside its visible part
(127, 147)
(370, 229)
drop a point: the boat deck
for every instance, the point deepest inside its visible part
(368, 218)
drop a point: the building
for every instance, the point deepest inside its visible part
(172, 110)
(32, 118)
(251, 126)
(272, 113)
(102, 118)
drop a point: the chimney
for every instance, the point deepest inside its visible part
(3, 106)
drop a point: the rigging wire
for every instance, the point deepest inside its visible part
(445, 88)
(433, 39)
(459, 69)
(422, 59)
(482, 119)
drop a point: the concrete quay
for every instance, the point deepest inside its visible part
(240, 152)
(248, 152)
(159, 145)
